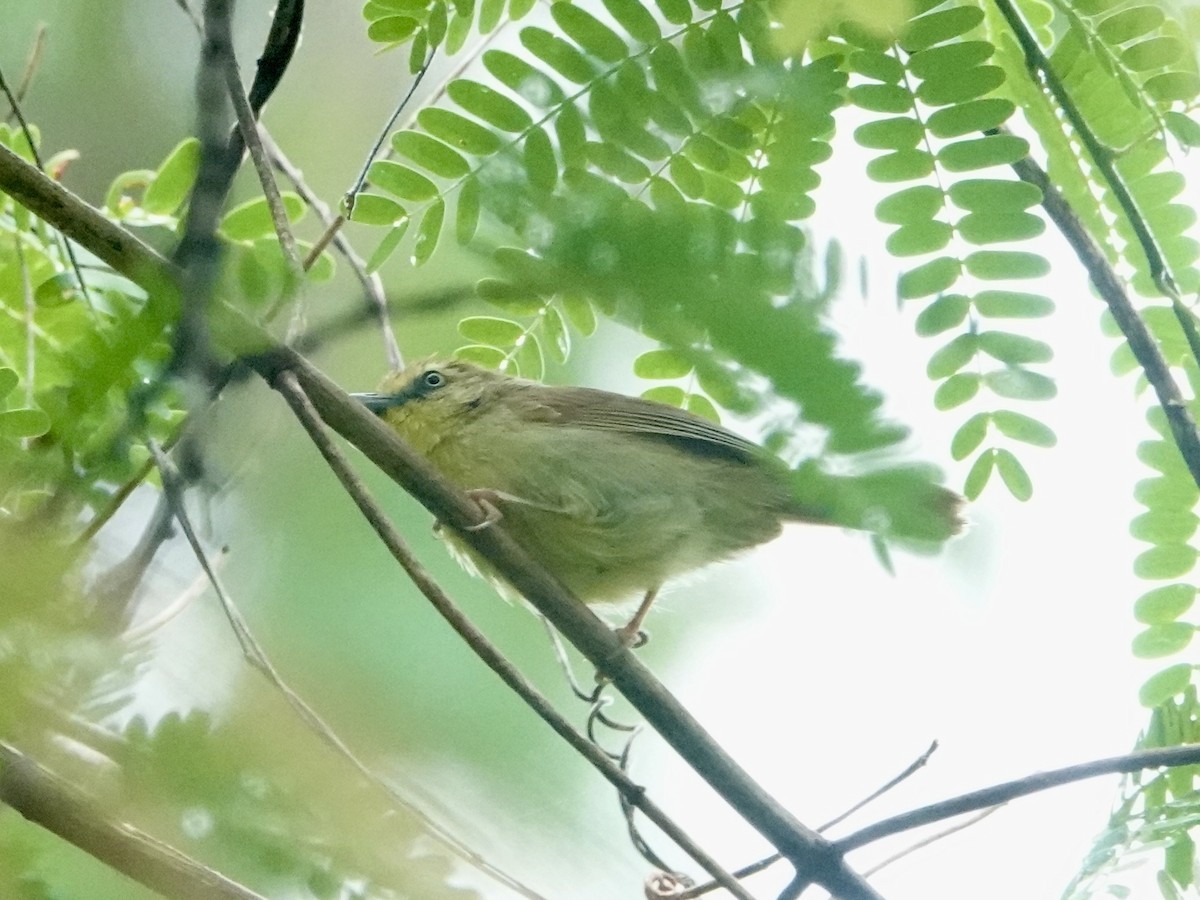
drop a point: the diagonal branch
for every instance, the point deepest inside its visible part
(808, 851)
(634, 793)
(48, 800)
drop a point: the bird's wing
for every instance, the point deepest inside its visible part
(605, 411)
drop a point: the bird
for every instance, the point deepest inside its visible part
(613, 495)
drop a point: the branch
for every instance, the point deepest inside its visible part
(634, 793)
(1187, 755)
(818, 859)
(1112, 292)
(62, 809)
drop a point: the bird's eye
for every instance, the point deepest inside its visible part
(433, 379)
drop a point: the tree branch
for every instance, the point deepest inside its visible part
(1186, 755)
(815, 857)
(62, 809)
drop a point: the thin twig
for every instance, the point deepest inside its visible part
(248, 127)
(372, 284)
(32, 64)
(932, 839)
(256, 656)
(361, 180)
(755, 867)
(632, 793)
(15, 111)
(1186, 755)
(48, 800)
(114, 588)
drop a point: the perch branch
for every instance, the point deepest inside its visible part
(634, 793)
(62, 809)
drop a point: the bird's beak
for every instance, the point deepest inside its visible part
(376, 403)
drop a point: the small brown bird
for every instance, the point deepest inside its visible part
(614, 495)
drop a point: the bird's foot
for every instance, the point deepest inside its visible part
(488, 501)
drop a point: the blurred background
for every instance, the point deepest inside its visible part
(821, 673)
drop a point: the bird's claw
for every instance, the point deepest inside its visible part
(486, 499)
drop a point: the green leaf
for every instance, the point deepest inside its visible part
(932, 277)
(9, 379)
(1130, 23)
(1023, 428)
(993, 194)
(1173, 87)
(967, 85)
(948, 60)
(589, 32)
(677, 12)
(1014, 349)
(488, 357)
(1164, 526)
(392, 29)
(913, 204)
(1012, 305)
(951, 357)
(919, 238)
(1166, 493)
(703, 407)
(512, 298)
(489, 105)
(956, 390)
(1155, 53)
(524, 80)
(430, 154)
(635, 19)
(572, 135)
(1164, 604)
(559, 55)
(429, 231)
(405, 183)
(981, 153)
(529, 359)
(969, 436)
(372, 209)
(1184, 127)
(23, 423)
(252, 219)
(1020, 384)
(555, 330)
(620, 165)
(1014, 476)
(1163, 640)
(466, 215)
(491, 330)
(1162, 686)
(884, 98)
(459, 132)
(1165, 561)
(946, 312)
(902, 165)
(996, 227)
(970, 117)
(993, 265)
(899, 133)
(879, 66)
(174, 179)
(668, 394)
(934, 28)
(981, 471)
(662, 363)
(387, 246)
(686, 177)
(540, 165)
(580, 314)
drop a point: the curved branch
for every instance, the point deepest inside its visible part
(1186, 755)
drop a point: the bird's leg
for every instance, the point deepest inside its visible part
(488, 501)
(631, 633)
